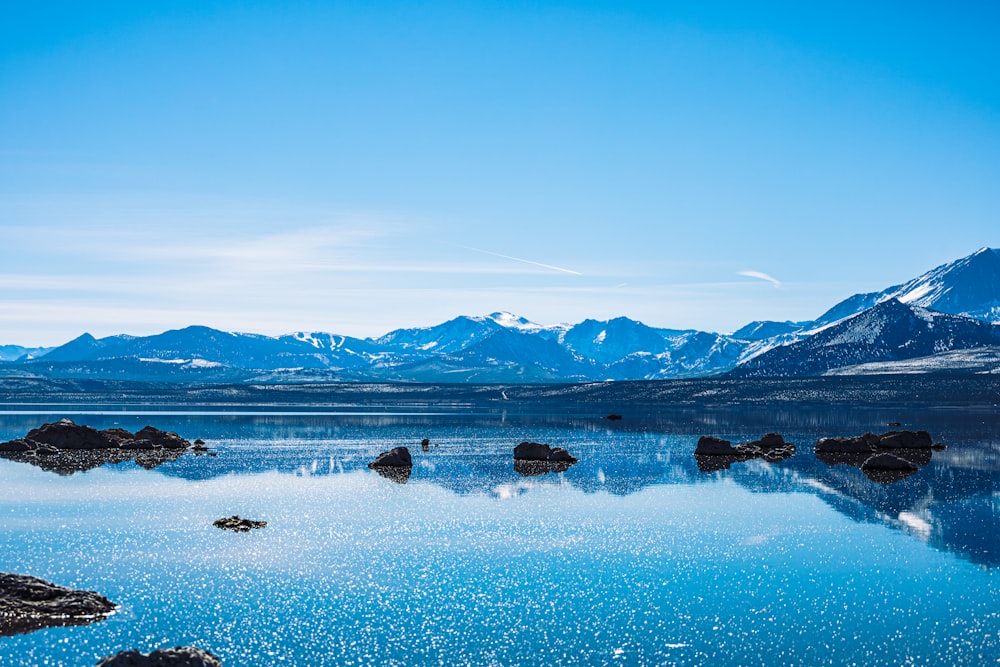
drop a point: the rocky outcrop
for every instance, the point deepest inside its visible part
(536, 458)
(886, 458)
(64, 447)
(238, 524)
(714, 454)
(28, 604)
(537, 451)
(180, 656)
(394, 458)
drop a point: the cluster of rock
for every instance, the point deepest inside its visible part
(179, 656)
(238, 524)
(536, 458)
(717, 454)
(65, 448)
(28, 604)
(530, 458)
(884, 458)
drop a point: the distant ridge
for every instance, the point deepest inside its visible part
(950, 308)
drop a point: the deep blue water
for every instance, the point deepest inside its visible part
(631, 557)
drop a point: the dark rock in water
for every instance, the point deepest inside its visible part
(613, 417)
(397, 474)
(199, 441)
(28, 604)
(425, 445)
(713, 454)
(64, 447)
(238, 524)
(534, 468)
(712, 446)
(853, 445)
(909, 451)
(893, 424)
(537, 451)
(905, 440)
(397, 457)
(180, 656)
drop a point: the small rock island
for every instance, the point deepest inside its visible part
(65, 448)
(29, 603)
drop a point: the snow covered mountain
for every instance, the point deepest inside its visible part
(945, 310)
(889, 331)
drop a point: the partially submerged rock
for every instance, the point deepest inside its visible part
(64, 447)
(885, 458)
(614, 417)
(238, 524)
(394, 458)
(714, 454)
(537, 451)
(536, 458)
(179, 656)
(28, 604)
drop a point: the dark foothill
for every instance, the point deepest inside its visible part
(28, 604)
(613, 417)
(238, 524)
(180, 656)
(64, 447)
(396, 457)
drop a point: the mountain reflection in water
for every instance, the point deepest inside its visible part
(951, 503)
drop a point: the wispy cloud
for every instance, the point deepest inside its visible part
(760, 275)
(524, 261)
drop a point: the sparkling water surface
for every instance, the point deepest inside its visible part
(631, 557)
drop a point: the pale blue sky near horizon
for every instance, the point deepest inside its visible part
(358, 167)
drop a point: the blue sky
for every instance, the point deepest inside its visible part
(358, 167)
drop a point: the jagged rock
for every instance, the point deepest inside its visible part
(712, 446)
(396, 457)
(537, 451)
(869, 452)
(64, 447)
(238, 524)
(165, 439)
(853, 445)
(28, 604)
(905, 440)
(180, 656)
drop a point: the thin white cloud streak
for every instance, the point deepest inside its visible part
(760, 275)
(525, 261)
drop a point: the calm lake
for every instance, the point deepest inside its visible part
(633, 556)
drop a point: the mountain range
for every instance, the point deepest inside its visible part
(946, 320)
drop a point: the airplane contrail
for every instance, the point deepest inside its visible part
(525, 261)
(761, 276)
